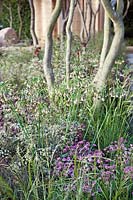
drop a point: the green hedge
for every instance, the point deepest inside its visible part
(25, 13)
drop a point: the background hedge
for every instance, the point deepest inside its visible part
(25, 13)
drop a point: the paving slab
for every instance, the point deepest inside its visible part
(129, 58)
(129, 49)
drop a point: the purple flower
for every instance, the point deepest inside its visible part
(73, 147)
(58, 159)
(81, 142)
(106, 175)
(109, 167)
(87, 145)
(87, 188)
(64, 159)
(121, 140)
(128, 169)
(59, 165)
(99, 161)
(66, 149)
(101, 164)
(70, 172)
(98, 153)
(112, 148)
(90, 159)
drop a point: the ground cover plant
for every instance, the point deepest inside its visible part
(61, 149)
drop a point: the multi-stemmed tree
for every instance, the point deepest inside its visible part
(113, 14)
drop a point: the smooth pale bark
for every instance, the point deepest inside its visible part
(94, 14)
(32, 24)
(10, 14)
(69, 40)
(106, 39)
(64, 18)
(127, 7)
(20, 19)
(47, 66)
(111, 54)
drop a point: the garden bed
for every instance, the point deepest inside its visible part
(61, 150)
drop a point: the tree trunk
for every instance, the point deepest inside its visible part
(47, 66)
(63, 27)
(20, 19)
(32, 24)
(84, 34)
(64, 16)
(94, 14)
(106, 39)
(10, 14)
(108, 56)
(69, 40)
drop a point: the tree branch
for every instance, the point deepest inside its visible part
(107, 6)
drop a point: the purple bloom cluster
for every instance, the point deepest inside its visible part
(84, 160)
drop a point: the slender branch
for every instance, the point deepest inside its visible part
(83, 24)
(107, 6)
(127, 8)
(120, 7)
(32, 23)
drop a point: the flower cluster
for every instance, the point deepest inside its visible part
(84, 160)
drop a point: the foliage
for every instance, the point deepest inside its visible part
(60, 150)
(129, 42)
(90, 169)
(25, 13)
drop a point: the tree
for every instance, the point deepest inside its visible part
(32, 23)
(47, 66)
(84, 33)
(114, 13)
(69, 39)
(94, 14)
(8, 7)
(91, 9)
(20, 18)
(64, 18)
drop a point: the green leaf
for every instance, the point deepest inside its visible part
(6, 189)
